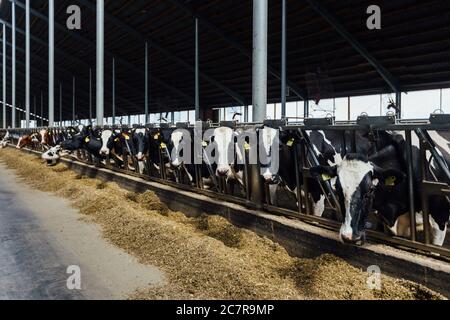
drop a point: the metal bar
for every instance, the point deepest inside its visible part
(425, 138)
(197, 83)
(51, 63)
(424, 195)
(306, 108)
(42, 109)
(13, 97)
(409, 161)
(4, 76)
(60, 104)
(114, 91)
(90, 95)
(146, 83)
(34, 110)
(260, 27)
(398, 102)
(73, 101)
(283, 59)
(100, 60)
(27, 64)
(331, 19)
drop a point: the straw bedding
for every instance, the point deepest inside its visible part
(205, 257)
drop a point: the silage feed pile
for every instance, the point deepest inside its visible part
(205, 257)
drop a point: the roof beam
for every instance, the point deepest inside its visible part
(332, 20)
(130, 30)
(89, 42)
(301, 93)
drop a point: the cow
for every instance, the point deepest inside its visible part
(28, 140)
(181, 143)
(226, 155)
(53, 155)
(378, 182)
(5, 140)
(329, 147)
(141, 141)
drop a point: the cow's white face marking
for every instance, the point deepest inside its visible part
(176, 138)
(337, 155)
(319, 206)
(437, 235)
(106, 135)
(223, 137)
(268, 139)
(351, 173)
(43, 134)
(18, 143)
(141, 131)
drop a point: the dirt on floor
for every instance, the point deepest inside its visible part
(205, 257)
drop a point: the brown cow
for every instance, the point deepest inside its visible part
(27, 140)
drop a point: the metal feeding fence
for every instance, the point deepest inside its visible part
(253, 192)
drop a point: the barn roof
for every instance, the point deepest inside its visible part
(331, 52)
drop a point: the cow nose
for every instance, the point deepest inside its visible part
(347, 237)
(222, 172)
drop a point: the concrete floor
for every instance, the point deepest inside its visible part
(41, 236)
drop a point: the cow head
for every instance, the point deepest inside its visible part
(52, 156)
(107, 140)
(141, 138)
(356, 182)
(223, 140)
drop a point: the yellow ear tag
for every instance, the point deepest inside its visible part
(116, 139)
(156, 136)
(127, 137)
(87, 139)
(390, 181)
(163, 146)
(326, 177)
(204, 143)
(246, 146)
(290, 143)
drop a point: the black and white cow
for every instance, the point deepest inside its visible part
(227, 154)
(5, 140)
(379, 182)
(329, 146)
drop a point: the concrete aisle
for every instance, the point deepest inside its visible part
(41, 236)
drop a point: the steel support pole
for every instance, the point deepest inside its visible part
(34, 111)
(4, 76)
(13, 60)
(42, 109)
(398, 103)
(306, 109)
(100, 60)
(60, 105)
(114, 91)
(146, 83)
(73, 101)
(27, 64)
(51, 63)
(90, 95)
(197, 82)
(260, 27)
(283, 59)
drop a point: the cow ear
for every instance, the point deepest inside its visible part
(389, 177)
(324, 173)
